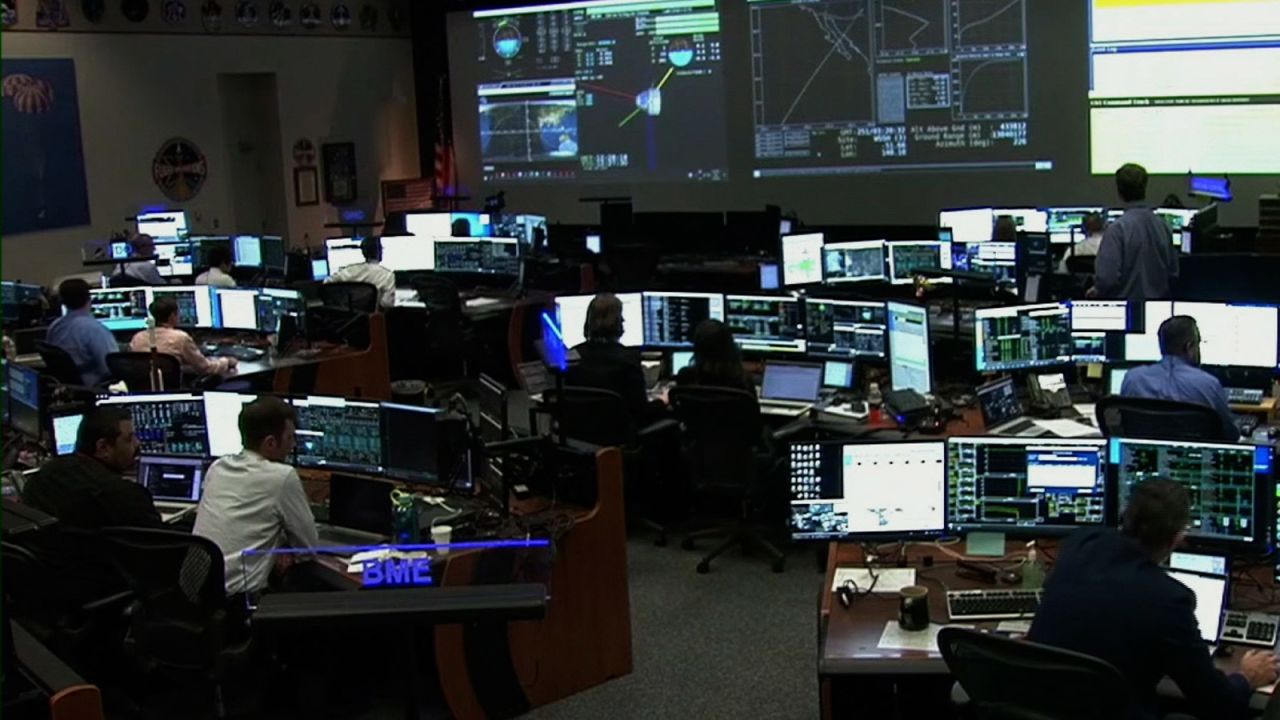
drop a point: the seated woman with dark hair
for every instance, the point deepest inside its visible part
(717, 361)
(605, 363)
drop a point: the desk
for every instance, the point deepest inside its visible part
(856, 678)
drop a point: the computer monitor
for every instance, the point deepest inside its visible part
(407, 253)
(995, 258)
(166, 224)
(1027, 220)
(175, 257)
(361, 504)
(170, 424)
(1209, 564)
(428, 224)
(999, 403)
(837, 374)
(1142, 341)
(247, 250)
(1100, 315)
(236, 308)
(425, 445)
(202, 245)
(670, 317)
(909, 365)
(907, 258)
(802, 259)
(972, 225)
(1179, 222)
(17, 294)
(222, 413)
(1022, 336)
(66, 426)
(120, 308)
(1230, 485)
(274, 304)
(195, 304)
(769, 279)
(1234, 335)
(24, 399)
(797, 382)
(1210, 591)
(497, 256)
(319, 268)
(571, 316)
(1062, 222)
(765, 323)
(593, 243)
(470, 224)
(343, 252)
(1035, 486)
(335, 432)
(845, 328)
(527, 227)
(680, 359)
(851, 262)
(871, 490)
(1115, 379)
(173, 479)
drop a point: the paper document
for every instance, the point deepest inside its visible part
(1067, 428)
(479, 302)
(1015, 627)
(357, 561)
(895, 638)
(887, 580)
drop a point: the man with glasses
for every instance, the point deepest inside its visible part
(1178, 375)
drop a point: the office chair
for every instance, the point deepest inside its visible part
(59, 366)
(361, 297)
(601, 417)
(1081, 264)
(437, 291)
(1007, 679)
(178, 624)
(134, 368)
(1148, 418)
(24, 340)
(722, 450)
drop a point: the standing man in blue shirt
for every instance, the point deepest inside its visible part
(1178, 375)
(1136, 260)
(86, 340)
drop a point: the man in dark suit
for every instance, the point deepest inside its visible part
(1109, 598)
(605, 363)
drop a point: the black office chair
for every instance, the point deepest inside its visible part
(361, 297)
(24, 340)
(1081, 264)
(58, 364)
(1007, 679)
(134, 368)
(437, 291)
(1131, 417)
(179, 626)
(725, 459)
(601, 417)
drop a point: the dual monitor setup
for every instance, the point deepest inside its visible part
(200, 306)
(821, 328)
(180, 433)
(180, 254)
(1023, 486)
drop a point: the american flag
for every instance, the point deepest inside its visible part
(406, 195)
(445, 169)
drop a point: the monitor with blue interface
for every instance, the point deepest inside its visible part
(848, 262)
(319, 268)
(972, 225)
(998, 259)
(1032, 485)
(166, 423)
(873, 490)
(23, 397)
(470, 224)
(769, 276)
(120, 308)
(845, 328)
(1230, 485)
(670, 317)
(338, 433)
(497, 256)
(1023, 336)
(16, 295)
(791, 381)
(802, 259)
(765, 323)
(1211, 187)
(909, 363)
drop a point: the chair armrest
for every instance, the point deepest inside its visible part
(657, 428)
(122, 599)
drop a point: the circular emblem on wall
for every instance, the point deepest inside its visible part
(368, 17)
(304, 153)
(93, 10)
(281, 15)
(179, 169)
(309, 15)
(173, 11)
(211, 16)
(136, 10)
(247, 13)
(340, 16)
(29, 95)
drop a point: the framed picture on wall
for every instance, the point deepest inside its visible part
(339, 172)
(306, 186)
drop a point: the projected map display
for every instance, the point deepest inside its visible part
(608, 90)
(1185, 85)
(852, 86)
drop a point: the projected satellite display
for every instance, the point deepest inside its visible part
(855, 86)
(604, 90)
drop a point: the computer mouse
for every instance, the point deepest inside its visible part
(845, 595)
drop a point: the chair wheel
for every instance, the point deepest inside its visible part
(779, 565)
(704, 567)
(660, 541)
(687, 543)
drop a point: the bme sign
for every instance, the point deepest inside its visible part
(396, 572)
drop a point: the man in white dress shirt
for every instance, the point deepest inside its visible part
(370, 271)
(254, 501)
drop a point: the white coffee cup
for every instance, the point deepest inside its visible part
(440, 535)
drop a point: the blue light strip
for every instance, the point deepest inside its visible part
(351, 549)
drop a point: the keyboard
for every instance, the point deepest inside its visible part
(1244, 396)
(239, 352)
(992, 604)
(1249, 628)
